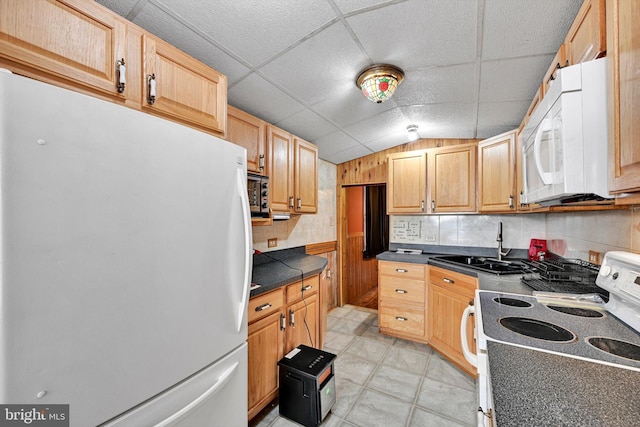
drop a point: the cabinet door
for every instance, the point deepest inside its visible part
(521, 207)
(186, 90)
(559, 61)
(446, 307)
(265, 342)
(280, 154)
(586, 38)
(248, 131)
(407, 182)
(452, 179)
(71, 40)
(496, 173)
(623, 51)
(302, 324)
(306, 177)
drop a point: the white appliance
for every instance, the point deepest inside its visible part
(126, 262)
(564, 156)
(570, 325)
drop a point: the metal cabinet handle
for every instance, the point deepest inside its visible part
(299, 203)
(261, 162)
(283, 322)
(422, 205)
(307, 288)
(291, 202)
(433, 205)
(402, 319)
(121, 72)
(511, 202)
(292, 318)
(329, 274)
(263, 307)
(401, 291)
(151, 83)
(401, 270)
(449, 281)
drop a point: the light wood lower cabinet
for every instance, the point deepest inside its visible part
(449, 294)
(402, 293)
(278, 322)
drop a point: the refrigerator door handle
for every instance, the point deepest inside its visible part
(246, 223)
(222, 380)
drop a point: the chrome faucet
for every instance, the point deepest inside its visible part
(499, 240)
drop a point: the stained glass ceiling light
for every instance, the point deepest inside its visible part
(379, 81)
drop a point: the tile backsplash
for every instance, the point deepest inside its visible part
(570, 234)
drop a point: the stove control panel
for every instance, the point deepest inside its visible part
(620, 275)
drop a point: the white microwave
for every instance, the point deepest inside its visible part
(564, 156)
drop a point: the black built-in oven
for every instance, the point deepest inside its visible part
(258, 190)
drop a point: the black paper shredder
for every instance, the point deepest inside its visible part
(307, 385)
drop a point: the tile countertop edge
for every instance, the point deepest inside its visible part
(275, 272)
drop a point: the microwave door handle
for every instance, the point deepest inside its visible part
(547, 177)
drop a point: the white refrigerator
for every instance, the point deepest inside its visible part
(126, 262)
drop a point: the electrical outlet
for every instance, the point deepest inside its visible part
(594, 257)
(272, 243)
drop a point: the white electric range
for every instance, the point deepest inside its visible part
(572, 325)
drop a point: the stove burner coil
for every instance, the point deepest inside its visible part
(576, 311)
(512, 302)
(616, 347)
(539, 329)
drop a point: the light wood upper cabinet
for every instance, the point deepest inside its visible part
(496, 173)
(249, 132)
(623, 51)
(407, 182)
(70, 42)
(293, 172)
(186, 90)
(305, 176)
(586, 38)
(559, 61)
(452, 178)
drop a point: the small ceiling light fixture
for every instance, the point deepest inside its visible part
(413, 132)
(379, 81)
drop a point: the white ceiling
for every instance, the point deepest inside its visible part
(471, 66)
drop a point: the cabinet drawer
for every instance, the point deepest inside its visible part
(265, 304)
(310, 286)
(453, 280)
(401, 291)
(401, 269)
(401, 319)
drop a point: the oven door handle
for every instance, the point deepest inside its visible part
(466, 351)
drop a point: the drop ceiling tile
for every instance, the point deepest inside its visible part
(419, 33)
(159, 23)
(491, 131)
(255, 30)
(307, 125)
(452, 120)
(350, 106)
(376, 127)
(257, 96)
(348, 6)
(501, 113)
(348, 154)
(521, 21)
(315, 70)
(121, 7)
(454, 83)
(512, 79)
(334, 143)
(388, 141)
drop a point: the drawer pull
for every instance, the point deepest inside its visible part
(402, 270)
(402, 319)
(307, 288)
(263, 307)
(449, 281)
(401, 291)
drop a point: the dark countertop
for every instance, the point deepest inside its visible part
(272, 270)
(533, 388)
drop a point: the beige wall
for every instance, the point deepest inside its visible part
(305, 229)
(601, 231)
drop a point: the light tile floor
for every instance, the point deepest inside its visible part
(385, 381)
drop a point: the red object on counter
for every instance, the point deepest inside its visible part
(537, 247)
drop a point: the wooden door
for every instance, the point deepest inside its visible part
(302, 323)
(248, 131)
(586, 38)
(72, 41)
(623, 51)
(407, 182)
(305, 177)
(280, 154)
(186, 89)
(452, 179)
(496, 173)
(266, 342)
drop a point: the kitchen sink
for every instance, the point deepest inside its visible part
(488, 265)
